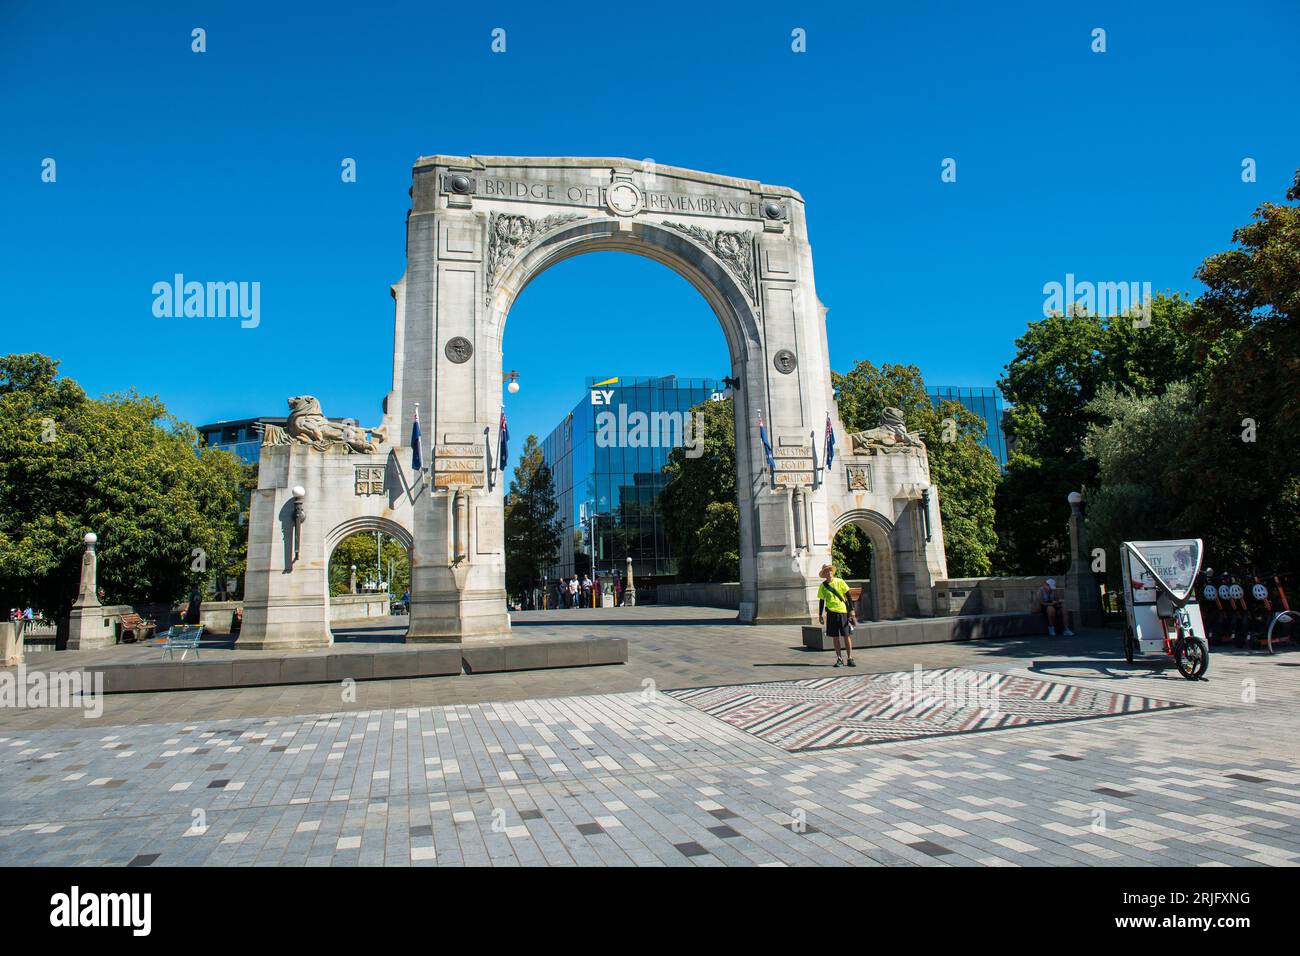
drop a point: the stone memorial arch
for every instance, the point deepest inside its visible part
(480, 228)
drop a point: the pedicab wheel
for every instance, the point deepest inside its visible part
(1281, 617)
(1128, 647)
(1192, 656)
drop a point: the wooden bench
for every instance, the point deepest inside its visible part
(135, 626)
(182, 637)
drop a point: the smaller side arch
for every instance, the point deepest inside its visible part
(884, 573)
(367, 523)
(364, 523)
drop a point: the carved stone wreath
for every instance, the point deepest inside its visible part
(507, 234)
(735, 249)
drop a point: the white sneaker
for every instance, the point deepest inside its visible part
(1067, 633)
(1051, 632)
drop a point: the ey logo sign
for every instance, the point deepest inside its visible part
(603, 396)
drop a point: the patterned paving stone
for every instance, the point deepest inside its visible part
(825, 712)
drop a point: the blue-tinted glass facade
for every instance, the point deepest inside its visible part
(984, 402)
(607, 482)
(240, 437)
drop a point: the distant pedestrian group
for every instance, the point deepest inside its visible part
(585, 591)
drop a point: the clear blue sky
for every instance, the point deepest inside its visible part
(225, 166)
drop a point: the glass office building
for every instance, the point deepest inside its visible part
(984, 402)
(608, 473)
(240, 437)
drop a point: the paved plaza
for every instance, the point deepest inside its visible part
(1081, 760)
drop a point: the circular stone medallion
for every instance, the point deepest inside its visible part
(459, 349)
(785, 361)
(623, 198)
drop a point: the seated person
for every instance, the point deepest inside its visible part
(1049, 602)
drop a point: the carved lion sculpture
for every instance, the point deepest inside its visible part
(891, 435)
(307, 424)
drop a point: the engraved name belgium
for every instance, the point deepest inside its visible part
(594, 195)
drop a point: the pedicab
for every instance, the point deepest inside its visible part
(1161, 616)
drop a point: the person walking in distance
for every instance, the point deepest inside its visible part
(833, 611)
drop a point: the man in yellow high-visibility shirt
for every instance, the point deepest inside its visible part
(833, 610)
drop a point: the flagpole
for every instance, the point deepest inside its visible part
(817, 467)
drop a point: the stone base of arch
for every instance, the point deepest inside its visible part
(286, 583)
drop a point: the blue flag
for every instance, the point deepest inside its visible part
(416, 463)
(504, 443)
(830, 442)
(767, 445)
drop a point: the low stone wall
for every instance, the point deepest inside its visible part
(350, 607)
(726, 595)
(990, 595)
(216, 616)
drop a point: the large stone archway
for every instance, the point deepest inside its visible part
(479, 230)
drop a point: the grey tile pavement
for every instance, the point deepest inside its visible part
(602, 773)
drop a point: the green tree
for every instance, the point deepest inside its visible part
(532, 526)
(964, 471)
(120, 466)
(698, 502)
(1061, 363)
(1142, 487)
(359, 549)
(1243, 458)
(851, 553)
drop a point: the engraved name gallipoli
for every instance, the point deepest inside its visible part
(595, 196)
(794, 466)
(458, 465)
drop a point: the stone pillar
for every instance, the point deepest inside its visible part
(88, 628)
(11, 643)
(1082, 595)
(629, 589)
(800, 515)
(353, 582)
(286, 577)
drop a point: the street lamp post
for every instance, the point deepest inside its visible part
(1082, 597)
(299, 515)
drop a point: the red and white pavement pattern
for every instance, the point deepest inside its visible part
(827, 712)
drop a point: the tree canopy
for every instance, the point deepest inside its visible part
(698, 502)
(1060, 365)
(533, 530)
(119, 466)
(1243, 455)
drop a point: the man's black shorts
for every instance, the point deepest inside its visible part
(837, 624)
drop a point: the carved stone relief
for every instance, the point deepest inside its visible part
(735, 249)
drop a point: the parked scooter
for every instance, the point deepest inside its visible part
(1218, 622)
(1234, 595)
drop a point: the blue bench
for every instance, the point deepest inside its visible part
(182, 637)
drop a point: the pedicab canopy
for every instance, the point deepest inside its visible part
(1173, 565)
